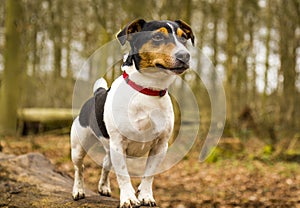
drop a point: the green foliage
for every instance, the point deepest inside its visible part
(267, 150)
(219, 154)
(214, 156)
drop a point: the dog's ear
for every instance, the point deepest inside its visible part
(187, 29)
(135, 26)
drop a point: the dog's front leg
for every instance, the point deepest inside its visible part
(118, 158)
(156, 156)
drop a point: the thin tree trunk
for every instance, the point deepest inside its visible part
(230, 47)
(215, 11)
(56, 35)
(69, 40)
(252, 66)
(268, 38)
(35, 58)
(287, 59)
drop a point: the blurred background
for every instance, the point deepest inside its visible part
(253, 45)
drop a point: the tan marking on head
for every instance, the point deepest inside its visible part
(179, 32)
(151, 55)
(164, 31)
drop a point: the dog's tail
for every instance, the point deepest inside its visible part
(100, 83)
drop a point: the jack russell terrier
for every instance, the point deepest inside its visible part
(135, 116)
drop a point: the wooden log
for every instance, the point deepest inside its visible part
(45, 115)
(41, 120)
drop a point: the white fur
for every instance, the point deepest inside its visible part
(100, 83)
(138, 124)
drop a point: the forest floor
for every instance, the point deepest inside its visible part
(231, 182)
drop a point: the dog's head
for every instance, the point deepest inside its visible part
(158, 44)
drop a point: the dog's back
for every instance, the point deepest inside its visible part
(91, 113)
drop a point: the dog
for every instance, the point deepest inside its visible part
(135, 116)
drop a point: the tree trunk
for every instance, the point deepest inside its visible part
(14, 68)
(268, 39)
(35, 56)
(215, 45)
(252, 66)
(288, 65)
(230, 51)
(56, 34)
(69, 22)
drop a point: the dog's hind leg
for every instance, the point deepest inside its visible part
(78, 154)
(80, 143)
(104, 184)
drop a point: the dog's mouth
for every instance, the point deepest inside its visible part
(177, 70)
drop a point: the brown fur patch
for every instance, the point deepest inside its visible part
(151, 55)
(179, 32)
(164, 31)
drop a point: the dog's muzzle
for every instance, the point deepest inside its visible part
(183, 56)
(182, 62)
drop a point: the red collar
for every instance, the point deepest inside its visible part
(141, 89)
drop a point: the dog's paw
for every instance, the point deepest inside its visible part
(147, 200)
(78, 191)
(129, 202)
(78, 195)
(104, 191)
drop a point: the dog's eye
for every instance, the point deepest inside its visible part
(158, 37)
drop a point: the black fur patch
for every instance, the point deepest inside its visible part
(100, 98)
(91, 114)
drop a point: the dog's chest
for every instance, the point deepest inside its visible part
(151, 122)
(139, 118)
(148, 116)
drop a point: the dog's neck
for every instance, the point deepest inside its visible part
(152, 78)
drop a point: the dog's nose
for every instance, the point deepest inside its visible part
(183, 56)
